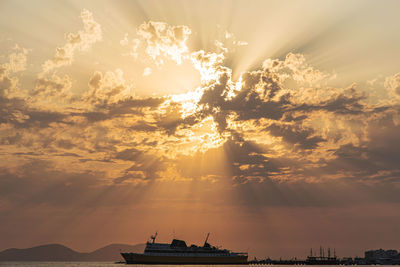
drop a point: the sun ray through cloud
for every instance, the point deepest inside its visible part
(188, 115)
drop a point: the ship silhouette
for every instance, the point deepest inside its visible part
(177, 252)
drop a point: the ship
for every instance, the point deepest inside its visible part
(322, 259)
(178, 252)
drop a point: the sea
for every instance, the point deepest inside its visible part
(102, 264)
(109, 264)
(112, 264)
(60, 264)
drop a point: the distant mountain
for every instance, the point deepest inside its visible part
(57, 252)
(112, 252)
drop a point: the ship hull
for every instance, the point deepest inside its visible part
(136, 258)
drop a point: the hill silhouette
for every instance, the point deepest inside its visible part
(57, 252)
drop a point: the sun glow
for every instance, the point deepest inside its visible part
(188, 101)
(208, 64)
(140, 113)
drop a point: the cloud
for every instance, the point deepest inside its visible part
(160, 41)
(18, 113)
(295, 135)
(17, 61)
(278, 128)
(127, 107)
(80, 41)
(269, 129)
(208, 64)
(392, 84)
(109, 87)
(147, 71)
(7, 83)
(295, 67)
(54, 86)
(281, 138)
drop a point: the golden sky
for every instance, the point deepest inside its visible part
(273, 125)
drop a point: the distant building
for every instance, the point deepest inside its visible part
(381, 256)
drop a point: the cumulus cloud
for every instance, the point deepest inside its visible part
(279, 123)
(80, 41)
(281, 134)
(17, 61)
(7, 83)
(295, 67)
(166, 40)
(160, 41)
(52, 86)
(208, 64)
(109, 87)
(392, 83)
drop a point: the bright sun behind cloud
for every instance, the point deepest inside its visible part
(271, 116)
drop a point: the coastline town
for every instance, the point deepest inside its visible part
(371, 257)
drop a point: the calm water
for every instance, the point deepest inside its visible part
(101, 264)
(111, 264)
(60, 264)
(106, 264)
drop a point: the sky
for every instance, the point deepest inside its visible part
(274, 125)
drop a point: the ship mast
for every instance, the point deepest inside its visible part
(205, 242)
(153, 238)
